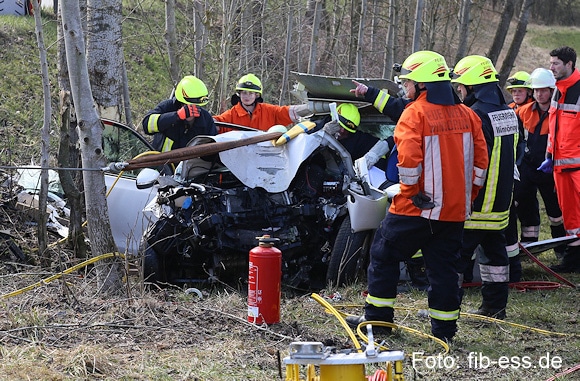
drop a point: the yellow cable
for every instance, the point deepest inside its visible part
(56, 276)
(337, 314)
(538, 330)
(437, 340)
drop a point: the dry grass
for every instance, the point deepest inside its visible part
(64, 331)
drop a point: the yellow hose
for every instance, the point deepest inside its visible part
(498, 321)
(56, 276)
(337, 314)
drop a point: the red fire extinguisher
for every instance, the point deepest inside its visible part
(264, 276)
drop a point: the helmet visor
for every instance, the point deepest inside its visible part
(197, 101)
(249, 86)
(346, 124)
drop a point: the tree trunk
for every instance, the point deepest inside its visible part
(360, 43)
(68, 153)
(44, 142)
(501, 32)
(200, 38)
(520, 33)
(355, 20)
(418, 23)
(246, 25)
(171, 41)
(223, 87)
(312, 61)
(464, 16)
(105, 56)
(286, 70)
(90, 136)
(391, 37)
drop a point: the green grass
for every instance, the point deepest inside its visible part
(550, 37)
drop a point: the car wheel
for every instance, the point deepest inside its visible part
(349, 256)
(154, 267)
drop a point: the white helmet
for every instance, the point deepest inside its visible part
(541, 78)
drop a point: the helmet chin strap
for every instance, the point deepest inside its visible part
(418, 89)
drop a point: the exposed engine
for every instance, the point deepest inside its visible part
(208, 220)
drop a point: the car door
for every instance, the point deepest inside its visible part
(125, 201)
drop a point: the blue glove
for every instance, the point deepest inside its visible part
(422, 201)
(547, 166)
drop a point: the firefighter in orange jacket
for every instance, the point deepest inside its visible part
(563, 152)
(249, 109)
(477, 82)
(519, 87)
(442, 165)
(534, 117)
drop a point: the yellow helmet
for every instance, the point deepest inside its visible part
(474, 70)
(191, 90)
(519, 79)
(250, 82)
(348, 116)
(425, 66)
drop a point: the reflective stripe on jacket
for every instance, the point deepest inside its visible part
(564, 138)
(501, 130)
(442, 153)
(169, 131)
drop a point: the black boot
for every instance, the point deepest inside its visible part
(570, 262)
(557, 232)
(417, 273)
(495, 296)
(515, 269)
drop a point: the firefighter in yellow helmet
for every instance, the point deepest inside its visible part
(442, 165)
(519, 88)
(477, 82)
(250, 110)
(345, 129)
(175, 121)
(534, 117)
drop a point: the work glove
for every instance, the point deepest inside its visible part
(380, 149)
(547, 166)
(332, 127)
(422, 201)
(188, 110)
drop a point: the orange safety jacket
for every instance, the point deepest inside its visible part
(263, 117)
(442, 152)
(533, 118)
(564, 137)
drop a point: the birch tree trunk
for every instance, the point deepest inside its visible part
(68, 153)
(44, 141)
(105, 55)
(90, 136)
